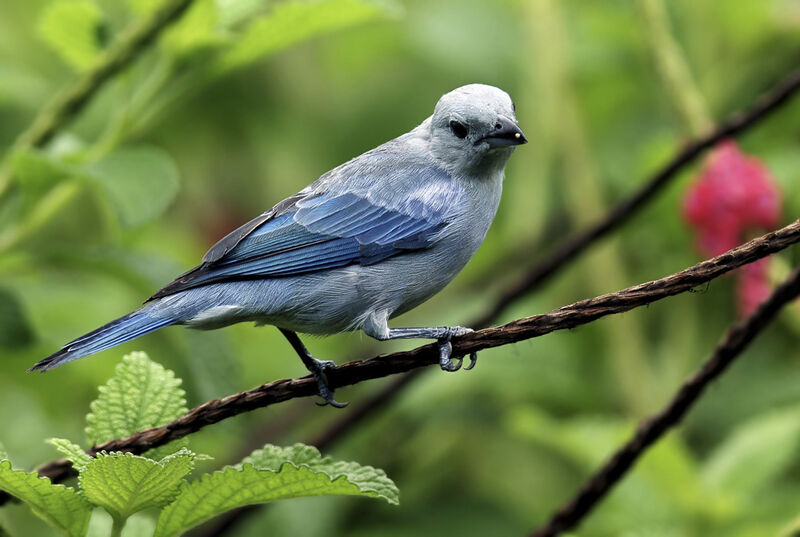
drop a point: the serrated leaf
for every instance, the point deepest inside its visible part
(15, 329)
(123, 483)
(139, 182)
(72, 29)
(72, 452)
(59, 506)
(291, 22)
(367, 478)
(141, 394)
(755, 453)
(237, 487)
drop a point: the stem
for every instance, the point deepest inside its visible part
(47, 209)
(653, 428)
(674, 70)
(74, 97)
(585, 204)
(123, 122)
(116, 527)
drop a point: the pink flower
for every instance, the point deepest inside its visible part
(734, 197)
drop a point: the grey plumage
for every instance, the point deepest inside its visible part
(367, 241)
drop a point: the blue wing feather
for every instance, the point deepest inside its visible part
(324, 232)
(334, 223)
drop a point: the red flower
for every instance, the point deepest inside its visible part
(734, 197)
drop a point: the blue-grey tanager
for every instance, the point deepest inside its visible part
(365, 242)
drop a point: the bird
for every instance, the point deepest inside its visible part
(367, 241)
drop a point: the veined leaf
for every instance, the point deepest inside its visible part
(72, 452)
(308, 474)
(60, 506)
(141, 394)
(366, 478)
(72, 29)
(123, 483)
(291, 22)
(139, 182)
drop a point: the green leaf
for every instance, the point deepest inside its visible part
(755, 454)
(302, 473)
(142, 7)
(72, 452)
(72, 29)
(36, 172)
(15, 329)
(291, 22)
(139, 182)
(123, 483)
(366, 478)
(3, 532)
(232, 12)
(141, 394)
(199, 28)
(59, 506)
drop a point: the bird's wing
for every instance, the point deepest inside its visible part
(316, 231)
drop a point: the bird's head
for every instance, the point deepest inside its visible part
(474, 129)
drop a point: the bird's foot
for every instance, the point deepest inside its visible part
(317, 369)
(446, 349)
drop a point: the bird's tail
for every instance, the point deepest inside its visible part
(124, 329)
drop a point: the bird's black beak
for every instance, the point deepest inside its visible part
(506, 132)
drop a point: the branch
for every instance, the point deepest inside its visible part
(779, 95)
(566, 317)
(654, 427)
(71, 100)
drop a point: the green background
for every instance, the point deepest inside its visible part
(215, 125)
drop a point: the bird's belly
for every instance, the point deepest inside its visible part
(327, 302)
(342, 299)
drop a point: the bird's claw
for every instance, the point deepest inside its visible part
(473, 359)
(446, 349)
(317, 369)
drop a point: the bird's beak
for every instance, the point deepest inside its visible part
(506, 132)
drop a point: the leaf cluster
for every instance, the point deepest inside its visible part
(144, 394)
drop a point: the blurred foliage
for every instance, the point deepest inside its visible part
(244, 102)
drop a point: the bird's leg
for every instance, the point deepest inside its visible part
(316, 367)
(443, 335)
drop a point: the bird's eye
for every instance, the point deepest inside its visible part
(458, 128)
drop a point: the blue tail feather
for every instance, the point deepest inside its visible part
(109, 335)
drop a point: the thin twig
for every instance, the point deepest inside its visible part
(71, 100)
(566, 317)
(654, 427)
(768, 103)
(779, 95)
